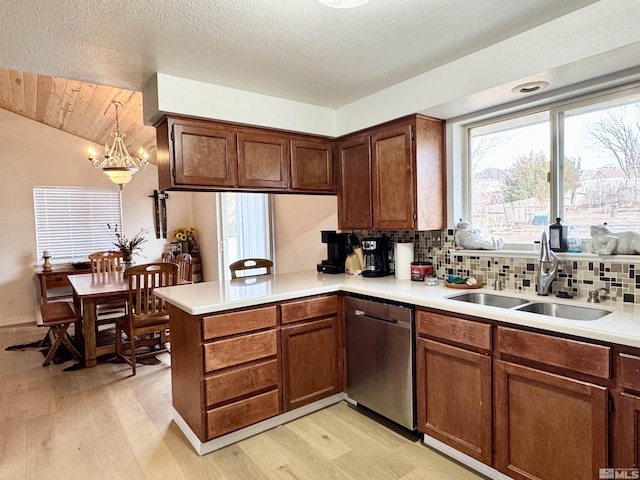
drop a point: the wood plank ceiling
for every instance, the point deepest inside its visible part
(81, 109)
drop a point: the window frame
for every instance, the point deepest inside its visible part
(45, 236)
(223, 258)
(556, 111)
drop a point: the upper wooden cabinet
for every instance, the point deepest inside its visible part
(354, 193)
(194, 153)
(263, 160)
(312, 165)
(206, 155)
(393, 176)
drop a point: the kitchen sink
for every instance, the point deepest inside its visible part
(489, 299)
(571, 312)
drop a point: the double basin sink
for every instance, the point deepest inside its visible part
(571, 312)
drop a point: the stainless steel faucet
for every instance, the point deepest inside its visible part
(594, 295)
(547, 266)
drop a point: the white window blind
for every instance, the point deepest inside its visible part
(71, 222)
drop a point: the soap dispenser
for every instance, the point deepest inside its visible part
(558, 236)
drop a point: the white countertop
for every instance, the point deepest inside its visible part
(622, 326)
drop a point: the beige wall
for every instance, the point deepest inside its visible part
(34, 154)
(298, 220)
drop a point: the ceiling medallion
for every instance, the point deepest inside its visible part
(342, 3)
(530, 87)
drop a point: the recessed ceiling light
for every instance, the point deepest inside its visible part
(342, 3)
(530, 87)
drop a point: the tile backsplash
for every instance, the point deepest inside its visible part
(576, 277)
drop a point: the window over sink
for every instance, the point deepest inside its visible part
(578, 159)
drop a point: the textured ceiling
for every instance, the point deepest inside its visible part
(295, 49)
(63, 61)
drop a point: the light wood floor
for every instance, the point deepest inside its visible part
(100, 423)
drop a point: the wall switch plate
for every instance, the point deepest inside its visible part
(435, 238)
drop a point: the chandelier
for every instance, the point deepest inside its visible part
(117, 164)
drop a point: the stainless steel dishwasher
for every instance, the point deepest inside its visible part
(380, 358)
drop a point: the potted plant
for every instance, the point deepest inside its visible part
(128, 247)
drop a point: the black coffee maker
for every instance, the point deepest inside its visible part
(376, 257)
(336, 251)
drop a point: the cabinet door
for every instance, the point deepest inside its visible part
(204, 155)
(392, 178)
(263, 160)
(548, 426)
(454, 397)
(431, 174)
(310, 361)
(354, 192)
(312, 166)
(626, 434)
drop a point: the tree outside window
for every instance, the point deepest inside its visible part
(511, 166)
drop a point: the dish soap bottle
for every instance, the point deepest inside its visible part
(574, 242)
(558, 236)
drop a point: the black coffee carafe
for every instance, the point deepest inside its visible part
(376, 257)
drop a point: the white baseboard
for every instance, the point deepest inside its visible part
(464, 459)
(202, 448)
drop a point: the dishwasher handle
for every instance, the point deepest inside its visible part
(383, 311)
(391, 322)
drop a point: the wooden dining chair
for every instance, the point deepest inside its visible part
(146, 323)
(106, 262)
(251, 267)
(168, 257)
(185, 268)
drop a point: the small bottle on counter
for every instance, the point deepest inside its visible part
(431, 280)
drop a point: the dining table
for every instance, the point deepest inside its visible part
(90, 290)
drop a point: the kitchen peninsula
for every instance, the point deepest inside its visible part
(254, 353)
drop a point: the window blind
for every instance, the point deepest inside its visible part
(71, 222)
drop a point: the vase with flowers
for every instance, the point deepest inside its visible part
(128, 246)
(187, 238)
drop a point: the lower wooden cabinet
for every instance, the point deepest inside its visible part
(311, 361)
(454, 382)
(626, 436)
(233, 369)
(225, 371)
(312, 347)
(242, 413)
(548, 426)
(454, 397)
(626, 428)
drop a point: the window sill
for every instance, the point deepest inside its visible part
(584, 256)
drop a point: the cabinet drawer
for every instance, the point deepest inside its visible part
(57, 281)
(629, 371)
(560, 352)
(466, 332)
(243, 381)
(241, 414)
(234, 351)
(217, 326)
(303, 309)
